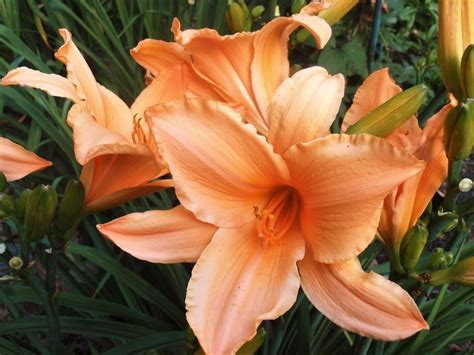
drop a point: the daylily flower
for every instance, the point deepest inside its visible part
(16, 162)
(406, 203)
(243, 69)
(262, 215)
(110, 140)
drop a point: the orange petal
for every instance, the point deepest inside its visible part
(221, 167)
(303, 107)
(127, 194)
(237, 282)
(342, 181)
(171, 236)
(80, 75)
(270, 64)
(364, 303)
(226, 61)
(16, 162)
(52, 84)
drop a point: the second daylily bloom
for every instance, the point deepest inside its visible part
(243, 69)
(111, 141)
(16, 162)
(406, 203)
(264, 215)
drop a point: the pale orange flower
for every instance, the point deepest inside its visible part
(262, 215)
(406, 203)
(243, 69)
(110, 142)
(16, 162)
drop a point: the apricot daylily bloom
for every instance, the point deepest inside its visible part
(16, 162)
(243, 69)
(262, 215)
(406, 203)
(110, 142)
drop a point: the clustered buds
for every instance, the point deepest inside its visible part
(461, 273)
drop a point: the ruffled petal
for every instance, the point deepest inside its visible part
(171, 236)
(342, 181)
(364, 303)
(16, 162)
(238, 282)
(221, 167)
(304, 107)
(52, 84)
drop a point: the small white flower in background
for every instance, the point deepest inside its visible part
(465, 185)
(3, 248)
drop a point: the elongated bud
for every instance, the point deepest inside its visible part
(238, 16)
(16, 263)
(392, 114)
(467, 71)
(461, 273)
(297, 5)
(456, 32)
(338, 9)
(20, 205)
(71, 206)
(412, 246)
(459, 131)
(465, 185)
(39, 214)
(3, 182)
(257, 11)
(7, 206)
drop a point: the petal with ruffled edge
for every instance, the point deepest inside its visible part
(221, 167)
(270, 64)
(364, 303)
(171, 236)
(52, 84)
(238, 282)
(342, 181)
(304, 107)
(16, 162)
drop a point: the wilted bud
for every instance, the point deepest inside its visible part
(39, 214)
(338, 9)
(20, 205)
(16, 263)
(7, 205)
(456, 32)
(465, 185)
(238, 16)
(459, 131)
(467, 71)
(392, 114)
(412, 246)
(3, 182)
(461, 273)
(452, 220)
(297, 5)
(257, 11)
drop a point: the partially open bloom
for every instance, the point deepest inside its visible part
(407, 202)
(110, 139)
(243, 69)
(16, 162)
(263, 214)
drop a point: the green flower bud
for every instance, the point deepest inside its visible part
(16, 263)
(392, 114)
(297, 5)
(412, 246)
(461, 273)
(3, 182)
(439, 259)
(257, 11)
(238, 16)
(39, 214)
(459, 131)
(7, 205)
(467, 71)
(71, 206)
(20, 205)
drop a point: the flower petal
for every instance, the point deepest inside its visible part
(270, 64)
(364, 303)
(342, 181)
(238, 282)
(16, 162)
(52, 84)
(171, 236)
(304, 107)
(221, 167)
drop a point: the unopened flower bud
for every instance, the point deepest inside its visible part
(257, 11)
(412, 246)
(459, 131)
(20, 205)
(16, 263)
(461, 273)
(3, 182)
(465, 185)
(238, 16)
(40, 210)
(467, 71)
(337, 10)
(7, 205)
(451, 221)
